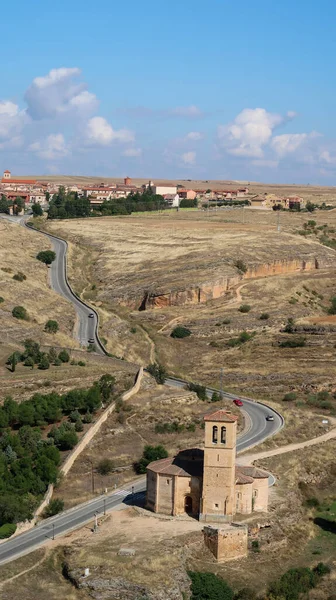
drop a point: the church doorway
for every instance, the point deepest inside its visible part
(188, 507)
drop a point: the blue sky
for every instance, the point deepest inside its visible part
(210, 90)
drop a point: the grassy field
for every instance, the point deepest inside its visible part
(176, 253)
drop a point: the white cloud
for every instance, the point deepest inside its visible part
(12, 121)
(250, 131)
(188, 158)
(288, 142)
(53, 147)
(57, 93)
(194, 136)
(132, 152)
(100, 132)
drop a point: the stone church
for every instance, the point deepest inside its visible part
(207, 483)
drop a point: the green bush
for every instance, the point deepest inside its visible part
(57, 362)
(264, 316)
(199, 389)
(55, 506)
(157, 371)
(244, 308)
(7, 530)
(2, 300)
(226, 321)
(79, 425)
(207, 586)
(297, 342)
(19, 312)
(180, 332)
(29, 362)
(44, 363)
(290, 397)
(322, 569)
(64, 356)
(81, 363)
(19, 276)
(216, 397)
(105, 466)
(46, 256)
(150, 454)
(242, 339)
(312, 502)
(293, 583)
(92, 348)
(51, 326)
(240, 265)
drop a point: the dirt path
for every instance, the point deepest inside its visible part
(176, 320)
(250, 458)
(37, 564)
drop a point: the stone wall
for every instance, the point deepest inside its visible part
(226, 543)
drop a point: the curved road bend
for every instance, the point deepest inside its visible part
(259, 430)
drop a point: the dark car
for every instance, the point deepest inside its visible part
(91, 341)
(91, 315)
(237, 402)
(269, 418)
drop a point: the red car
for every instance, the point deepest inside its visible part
(238, 402)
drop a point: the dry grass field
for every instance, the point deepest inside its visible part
(172, 256)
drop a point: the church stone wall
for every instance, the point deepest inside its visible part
(165, 491)
(244, 498)
(260, 495)
(187, 486)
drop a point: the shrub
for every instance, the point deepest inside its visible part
(7, 530)
(150, 454)
(51, 326)
(44, 363)
(199, 389)
(19, 276)
(2, 300)
(242, 339)
(92, 348)
(226, 321)
(264, 316)
(215, 397)
(332, 309)
(133, 329)
(240, 265)
(19, 312)
(244, 308)
(255, 546)
(293, 583)
(46, 256)
(57, 362)
(321, 569)
(312, 502)
(209, 586)
(81, 363)
(290, 397)
(180, 332)
(289, 327)
(157, 371)
(105, 466)
(79, 425)
(64, 356)
(297, 342)
(87, 418)
(54, 507)
(29, 362)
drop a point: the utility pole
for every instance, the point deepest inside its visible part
(243, 215)
(104, 500)
(53, 534)
(278, 227)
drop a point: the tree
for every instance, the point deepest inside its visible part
(157, 371)
(4, 204)
(310, 206)
(37, 210)
(44, 363)
(106, 386)
(55, 506)
(67, 440)
(215, 397)
(105, 466)
(51, 326)
(19, 312)
(29, 362)
(207, 586)
(13, 362)
(46, 256)
(150, 454)
(52, 355)
(64, 356)
(18, 205)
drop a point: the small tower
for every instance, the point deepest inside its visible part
(127, 181)
(7, 174)
(218, 495)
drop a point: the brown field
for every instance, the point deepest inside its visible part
(172, 253)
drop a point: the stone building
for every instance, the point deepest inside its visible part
(207, 482)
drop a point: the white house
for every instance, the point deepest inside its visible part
(164, 189)
(173, 200)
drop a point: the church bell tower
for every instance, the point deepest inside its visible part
(218, 495)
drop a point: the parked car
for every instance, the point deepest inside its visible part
(269, 418)
(237, 402)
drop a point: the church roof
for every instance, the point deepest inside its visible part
(187, 463)
(253, 472)
(221, 415)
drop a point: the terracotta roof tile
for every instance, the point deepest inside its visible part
(221, 415)
(252, 472)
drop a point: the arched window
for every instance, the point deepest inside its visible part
(223, 435)
(215, 434)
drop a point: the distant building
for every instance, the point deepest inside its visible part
(187, 194)
(127, 181)
(173, 200)
(164, 189)
(7, 178)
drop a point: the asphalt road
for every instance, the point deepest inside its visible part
(259, 429)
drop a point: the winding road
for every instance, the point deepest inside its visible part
(257, 431)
